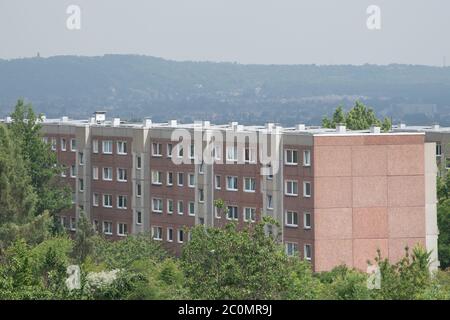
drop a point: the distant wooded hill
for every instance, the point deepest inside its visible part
(133, 87)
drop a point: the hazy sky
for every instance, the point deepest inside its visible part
(246, 31)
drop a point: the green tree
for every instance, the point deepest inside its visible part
(40, 161)
(225, 263)
(84, 243)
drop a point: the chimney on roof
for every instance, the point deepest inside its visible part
(100, 116)
(147, 123)
(270, 126)
(206, 124)
(234, 125)
(340, 128)
(64, 118)
(402, 125)
(300, 127)
(172, 123)
(116, 122)
(435, 126)
(375, 129)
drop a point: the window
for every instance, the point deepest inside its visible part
(180, 179)
(81, 184)
(217, 152)
(180, 207)
(232, 213)
(169, 150)
(138, 217)
(121, 202)
(95, 146)
(191, 180)
(122, 229)
(95, 173)
(169, 206)
(291, 188)
(169, 178)
(447, 163)
(156, 149)
(138, 190)
(232, 183)
(269, 202)
(156, 177)
(107, 227)
(53, 146)
(95, 225)
(180, 151)
(73, 224)
(180, 235)
(217, 182)
(217, 212)
(122, 175)
(307, 220)
(63, 171)
(306, 158)
(74, 197)
(73, 172)
(107, 146)
(250, 214)
(73, 145)
(191, 208)
(291, 157)
(249, 155)
(107, 174)
(81, 158)
(201, 168)
(438, 149)
(307, 252)
(157, 233)
(307, 189)
(64, 222)
(169, 234)
(138, 162)
(122, 147)
(291, 249)
(192, 152)
(107, 200)
(63, 144)
(249, 184)
(232, 153)
(157, 205)
(291, 219)
(95, 199)
(201, 195)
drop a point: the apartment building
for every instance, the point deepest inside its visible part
(338, 195)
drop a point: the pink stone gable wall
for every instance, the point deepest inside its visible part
(369, 194)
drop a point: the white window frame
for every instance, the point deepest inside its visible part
(232, 153)
(80, 185)
(252, 213)
(305, 226)
(169, 150)
(168, 175)
(138, 217)
(156, 149)
(251, 155)
(293, 251)
(138, 190)
(119, 178)
(157, 233)
(168, 206)
(109, 223)
(270, 202)
(191, 205)
(305, 251)
(104, 178)
(180, 232)
(122, 147)
(169, 234)
(305, 195)
(178, 179)
(289, 216)
(158, 175)
(292, 183)
(306, 158)
(233, 217)
(53, 143)
(109, 196)
(289, 160)
(73, 223)
(95, 199)
(73, 171)
(191, 175)
(94, 146)
(73, 145)
(157, 210)
(235, 179)
(124, 199)
(201, 195)
(178, 207)
(81, 158)
(63, 144)
(218, 186)
(124, 232)
(254, 183)
(95, 173)
(138, 162)
(107, 143)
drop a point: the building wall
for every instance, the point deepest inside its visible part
(369, 195)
